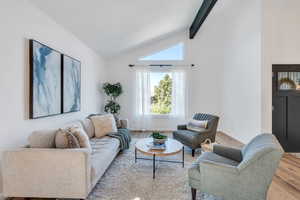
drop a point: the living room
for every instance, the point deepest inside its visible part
(221, 72)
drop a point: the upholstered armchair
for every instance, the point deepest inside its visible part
(194, 139)
(237, 174)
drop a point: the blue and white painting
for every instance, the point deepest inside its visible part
(71, 84)
(46, 81)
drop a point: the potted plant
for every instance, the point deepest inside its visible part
(158, 138)
(112, 91)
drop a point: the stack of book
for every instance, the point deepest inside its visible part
(155, 146)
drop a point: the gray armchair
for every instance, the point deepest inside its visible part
(237, 174)
(194, 139)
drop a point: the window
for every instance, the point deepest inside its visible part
(173, 53)
(161, 92)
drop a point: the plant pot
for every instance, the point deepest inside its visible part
(159, 141)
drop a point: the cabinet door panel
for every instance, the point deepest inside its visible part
(293, 119)
(279, 119)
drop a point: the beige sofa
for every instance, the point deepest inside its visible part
(47, 172)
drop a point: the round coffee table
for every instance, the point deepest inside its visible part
(173, 147)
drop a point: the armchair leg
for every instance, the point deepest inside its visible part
(193, 152)
(194, 191)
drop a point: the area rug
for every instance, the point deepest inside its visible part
(127, 180)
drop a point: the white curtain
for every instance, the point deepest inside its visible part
(143, 99)
(143, 117)
(179, 94)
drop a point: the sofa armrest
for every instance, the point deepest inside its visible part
(228, 152)
(181, 127)
(124, 123)
(47, 173)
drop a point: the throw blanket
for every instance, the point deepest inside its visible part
(123, 135)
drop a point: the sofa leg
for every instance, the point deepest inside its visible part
(193, 152)
(194, 191)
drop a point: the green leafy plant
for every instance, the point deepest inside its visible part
(112, 107)
(112, 91)
(157, 135)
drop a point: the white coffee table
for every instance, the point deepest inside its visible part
(173, 147)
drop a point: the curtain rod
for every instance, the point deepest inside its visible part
(162, 65)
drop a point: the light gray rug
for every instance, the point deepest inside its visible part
(127, 180)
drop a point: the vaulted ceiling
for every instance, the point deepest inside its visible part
(111, 27)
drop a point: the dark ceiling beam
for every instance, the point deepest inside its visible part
(203, 12)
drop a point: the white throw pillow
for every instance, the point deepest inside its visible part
(104, 124)
(197, 125)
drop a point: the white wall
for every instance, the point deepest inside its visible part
(241, 100)
(227, 82)
(20, 21)
(281, 45)
(203, 81)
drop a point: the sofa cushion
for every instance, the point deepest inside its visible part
(42, 139)
(104, 124)
(197, 125)
(103, 152)
(88, 127)
(187, 137)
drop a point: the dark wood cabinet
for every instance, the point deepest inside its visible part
(286, 106)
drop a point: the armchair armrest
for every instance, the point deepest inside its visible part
(215, 167)
(228, 152)
(181, 127)
(47, 173)
(124, 123)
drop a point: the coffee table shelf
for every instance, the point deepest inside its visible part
(173, 147)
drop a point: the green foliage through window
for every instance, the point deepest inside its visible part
(161, 101)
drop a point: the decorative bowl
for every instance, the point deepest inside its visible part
(158, 138)
(159, 141)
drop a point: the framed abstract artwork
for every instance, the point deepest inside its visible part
(45, 81)
(71, 84)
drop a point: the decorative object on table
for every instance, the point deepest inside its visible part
(45, 80)
(194, 139)
(112, 106)
(157, 146)
(158, 138)
(287, 84)
(71, 84)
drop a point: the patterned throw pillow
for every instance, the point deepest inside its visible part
(197, 125)
(72, 141)
(104, 124)
(81, 136)
(72, 137)
(64, 139)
